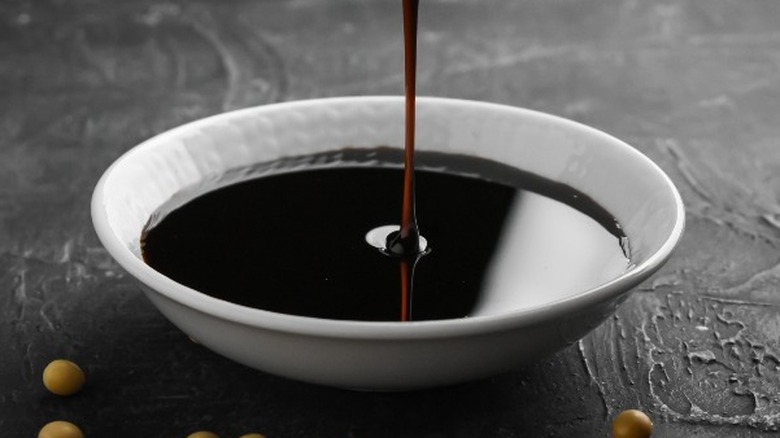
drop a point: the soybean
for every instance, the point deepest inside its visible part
(63, 377)
(632, 423)
(60, 429)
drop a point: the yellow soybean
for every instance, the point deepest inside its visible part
(632, 424)
(60, 429)
(63, 377)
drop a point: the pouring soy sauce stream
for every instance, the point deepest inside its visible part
(405, 243)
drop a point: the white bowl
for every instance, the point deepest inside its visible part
(388, 355)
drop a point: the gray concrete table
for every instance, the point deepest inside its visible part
(694, 84)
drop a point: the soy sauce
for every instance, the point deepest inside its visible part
(294, 241)
(405, 243)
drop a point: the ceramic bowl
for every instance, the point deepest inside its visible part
(388, 355)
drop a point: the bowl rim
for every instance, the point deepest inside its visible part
(386, 330)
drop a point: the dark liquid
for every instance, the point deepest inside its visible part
(406, 242)
(295, 242)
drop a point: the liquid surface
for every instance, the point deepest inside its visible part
(295, 242)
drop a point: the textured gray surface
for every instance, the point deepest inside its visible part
(694, 84)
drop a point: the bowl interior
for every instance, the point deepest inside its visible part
(211, 152)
